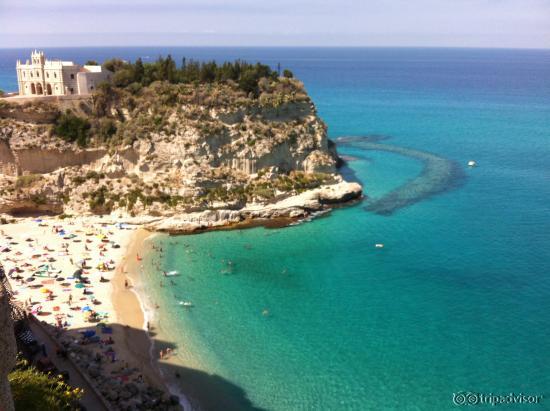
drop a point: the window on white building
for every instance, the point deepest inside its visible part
(72, 76)
(55, 75)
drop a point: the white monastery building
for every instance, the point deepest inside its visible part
(42, 77)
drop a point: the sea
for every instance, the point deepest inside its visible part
(432, 293)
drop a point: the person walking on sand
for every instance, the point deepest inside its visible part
(70, 299)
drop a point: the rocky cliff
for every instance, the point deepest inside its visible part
(167, 150)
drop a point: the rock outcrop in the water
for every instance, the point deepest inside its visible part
(438, 175)
(167, 150)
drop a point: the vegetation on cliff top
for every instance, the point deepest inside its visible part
(142, 97)
(140, 74)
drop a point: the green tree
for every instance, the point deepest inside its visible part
(288, 74)
(139, 71)
(249, 82)
(91, 63)
(123, 77)
(169, 69)
(114, 65)
(72, 128)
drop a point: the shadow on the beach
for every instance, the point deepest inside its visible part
(207, 392)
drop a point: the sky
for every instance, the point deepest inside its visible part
(406, 23)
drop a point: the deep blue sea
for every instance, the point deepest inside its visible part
(314, 316)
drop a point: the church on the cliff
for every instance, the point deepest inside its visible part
(42, 77)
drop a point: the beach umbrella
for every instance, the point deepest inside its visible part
(79, 285)
(44, 290)
(86, 308)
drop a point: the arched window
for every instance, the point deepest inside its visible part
(49, 89)
(39, 89)
(37, 74)
(48, 75)
(55, 75)
(33, 89)
(31, 73)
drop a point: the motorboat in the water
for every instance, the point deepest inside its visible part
(186, 303)
(171, 273)
(472, 163)
(379, 245)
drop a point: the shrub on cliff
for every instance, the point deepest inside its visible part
(99, 202)
(27, 180)
(72, 128)
(36, 391)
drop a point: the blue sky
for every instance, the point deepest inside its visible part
(457, 23)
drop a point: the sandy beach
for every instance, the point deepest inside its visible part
(76, 276)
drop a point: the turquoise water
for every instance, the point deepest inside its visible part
(459, 297)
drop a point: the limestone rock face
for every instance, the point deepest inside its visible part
(193, 155)
(8, 347)
(294, 207)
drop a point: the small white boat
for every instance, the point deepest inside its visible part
(472, 163)
(172, 273)
(379, 245)
(186, 303)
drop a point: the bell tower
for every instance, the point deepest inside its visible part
(38, 58)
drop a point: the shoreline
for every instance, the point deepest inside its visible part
(132, 309)
(129, 308)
